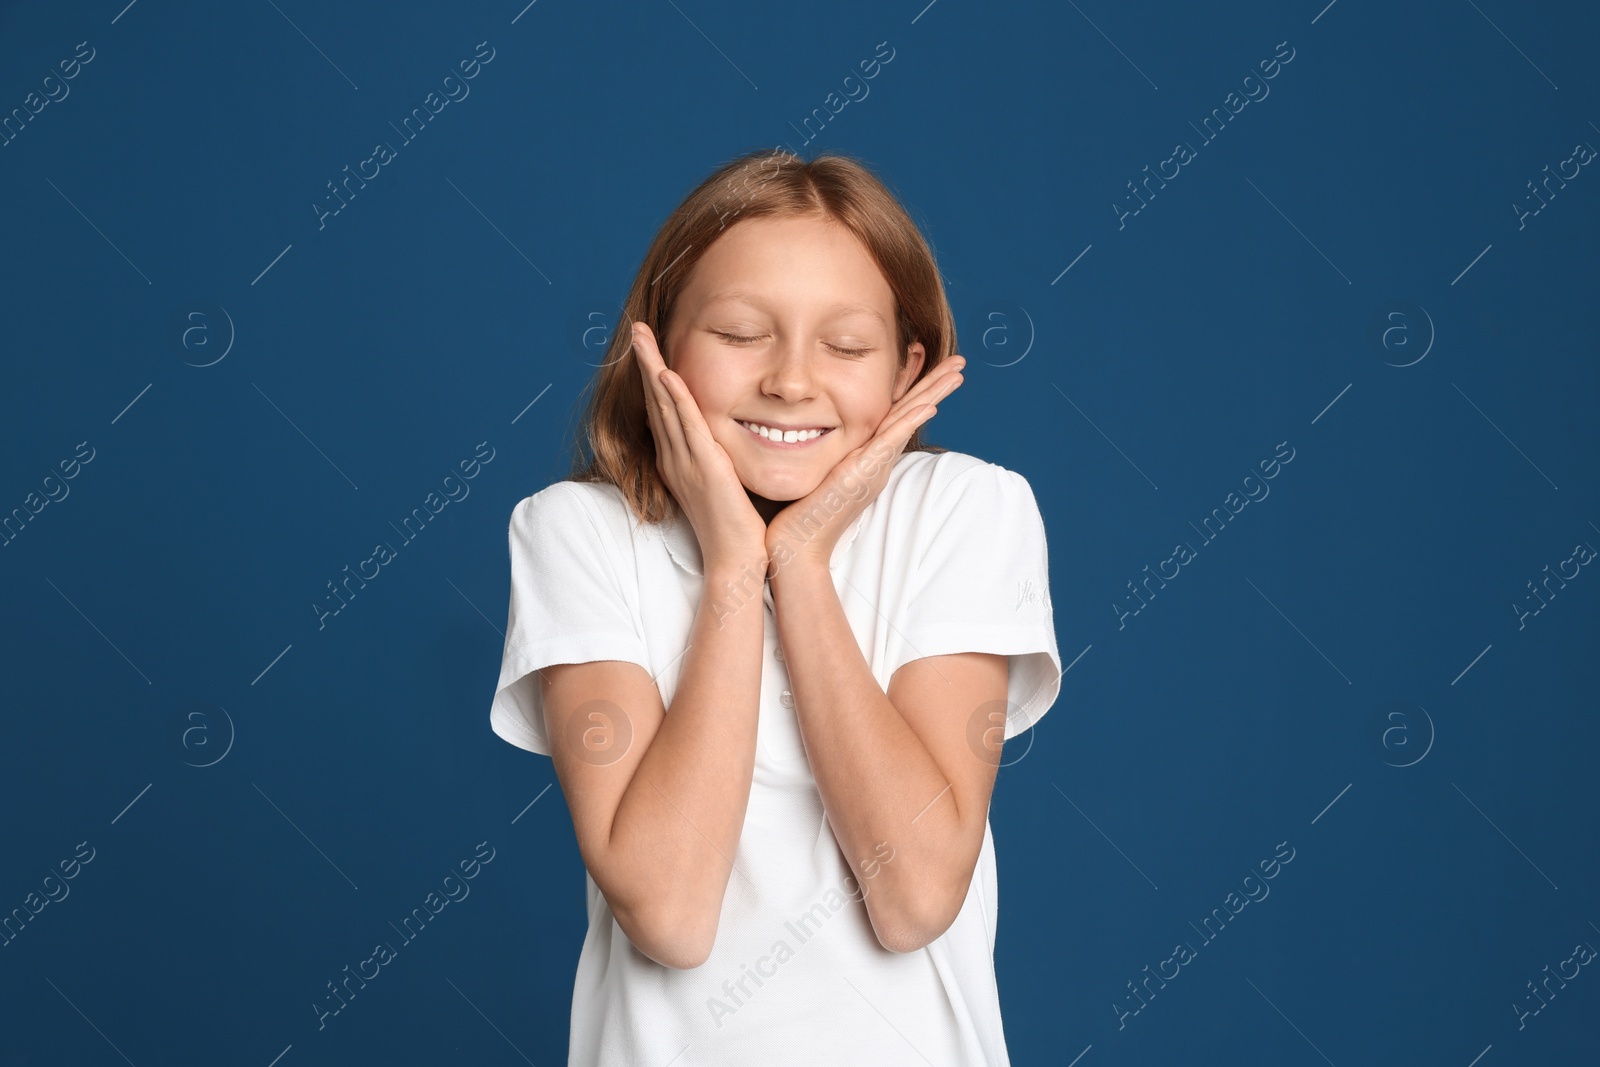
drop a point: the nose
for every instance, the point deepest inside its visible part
(789, 374)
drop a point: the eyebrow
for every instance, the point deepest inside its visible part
(746, 297)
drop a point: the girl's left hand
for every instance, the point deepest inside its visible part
(807, 530)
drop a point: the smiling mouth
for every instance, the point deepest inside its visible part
(781, 438)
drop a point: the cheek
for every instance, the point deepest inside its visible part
(867, 412)
(703, 389)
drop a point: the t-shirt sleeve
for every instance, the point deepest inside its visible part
(568, 605)
(980, 583)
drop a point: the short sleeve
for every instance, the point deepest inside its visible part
(567, 605)
(980, 583)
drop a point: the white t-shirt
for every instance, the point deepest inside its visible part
(949, 557)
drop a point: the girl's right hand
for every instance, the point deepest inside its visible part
(696, 468)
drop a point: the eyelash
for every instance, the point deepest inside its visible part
(847, 351)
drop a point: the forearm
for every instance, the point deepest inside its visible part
(880, 786)
(681, 816)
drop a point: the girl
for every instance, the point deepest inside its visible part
(773, 644)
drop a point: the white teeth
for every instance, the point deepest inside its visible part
(787, 436)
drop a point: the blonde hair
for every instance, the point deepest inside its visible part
(764, 183)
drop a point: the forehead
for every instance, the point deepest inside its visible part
(773, 265)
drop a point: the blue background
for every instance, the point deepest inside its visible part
(1343, 669)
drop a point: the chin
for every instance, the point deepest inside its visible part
(781, 490)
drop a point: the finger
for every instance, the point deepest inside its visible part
(894, 432)
(936, 385)
(672, 414)
(891, 439)
(900, 427)
(652, 402)
(642, 361)
(925, 395)
(680, 412)
(696, 433)
(669, 430)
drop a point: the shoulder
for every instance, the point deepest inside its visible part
(949, 480)
(564, 509)
(567, 499)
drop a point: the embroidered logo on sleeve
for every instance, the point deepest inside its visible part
(1030, 593)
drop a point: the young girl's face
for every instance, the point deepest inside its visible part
(789, 324)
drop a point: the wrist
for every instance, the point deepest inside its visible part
(738, 571)
(796, 568)
(730, 587)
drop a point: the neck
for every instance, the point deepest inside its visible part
(767, 509)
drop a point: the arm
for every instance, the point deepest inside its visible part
(658, 824)
(893, 769)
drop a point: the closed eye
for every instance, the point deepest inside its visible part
(738, 339)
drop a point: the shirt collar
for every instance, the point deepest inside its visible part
(684, 547)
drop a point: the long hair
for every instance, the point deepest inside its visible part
(765, 183)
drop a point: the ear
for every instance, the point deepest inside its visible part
(915, 355)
